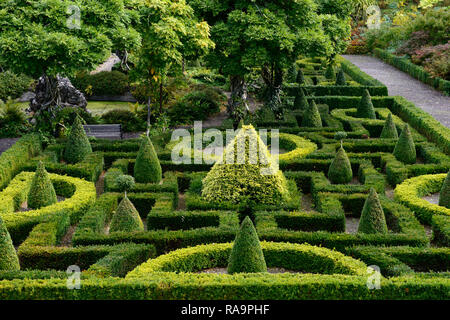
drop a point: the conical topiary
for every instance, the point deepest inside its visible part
(365, 108)
(372, 216)
(246, 254)
(405, 150)
(300, 102)
(340, 79)
(389, 129)
(78, 145)
(340, 170)
(245, 171)
(444, 197)
(147, 168)
(329, 73)
(300, 77)
(311, 116)
(292, 73)
(8, 256)
(126, 218)
(42, 193)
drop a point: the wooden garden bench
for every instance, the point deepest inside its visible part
(104, 131)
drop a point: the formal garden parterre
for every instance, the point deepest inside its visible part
(361, 183)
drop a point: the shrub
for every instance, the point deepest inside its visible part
(405, 150)
(231, 181)
(300, 77)
(102, 83)
(340, 78)
(340, 171)
(444, 196)
(78, 145)
(300, 101)
(329, 73)
(311, 116)
(130, 121)
(292, 73)
(197, 105)
(125, 183)
(8, 256)
(13, 85)
(372, 216)
(365, 107)
(416, 40)
(389, 129)
(126, 218)
(246, 254)
(42, 193)
(13, 121)
(147, 168)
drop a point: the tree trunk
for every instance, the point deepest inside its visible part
(149, 112)
(273, 78)
(161, 97)
(237, 104)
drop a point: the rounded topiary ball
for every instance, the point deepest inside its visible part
(125, 183)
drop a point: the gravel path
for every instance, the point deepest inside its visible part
(7, 143)
(400, 83)
(107, 65)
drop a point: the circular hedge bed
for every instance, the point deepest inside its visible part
(293, 257)
(411, 191)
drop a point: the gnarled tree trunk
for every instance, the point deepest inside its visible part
(237, 104)
(273, 78)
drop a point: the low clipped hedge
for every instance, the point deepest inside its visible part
(411, 191)
(79, 194)
(12, 160)
(294, 257)
(413, 70)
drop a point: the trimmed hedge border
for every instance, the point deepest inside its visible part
(413, 70)
(411, 191)
(295, 257)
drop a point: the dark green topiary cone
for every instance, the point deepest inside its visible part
(300, 77)
(329, 73)
(405, 150)
(147, 168)
(389, 129)
(291, 76)
(8, 256)
(340, 170)
(126, 218)
(300, 102)
(365, 108)
(444, 197)
(42, 193)
(340, 79)
(311, 116)
(78, 145)
(372, 217)
(246, 255)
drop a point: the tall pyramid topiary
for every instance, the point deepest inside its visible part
(340, 78)
(340, 171)
(311, 116)
(246, 170)
(291, 76)
(389, 129)
(78, 145)
(444, 197)
(147, 168)
(300, 101)
(126, 218)
(365, 108)
(300, 77)
(329, 73)
(246, 254)
(405, 149)
(42, 193)
(372, 216)
(8, 256)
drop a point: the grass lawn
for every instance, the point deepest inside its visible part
(97, 108)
